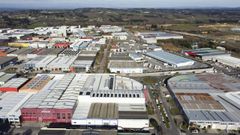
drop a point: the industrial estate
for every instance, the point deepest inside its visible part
(109, 79)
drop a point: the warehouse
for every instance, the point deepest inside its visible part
(51, 51)
(170, 59)
(82, 64)
(5, 61)
(10, 105)
(119, 57)
(55, 103)
(5, 77)
(69, 52)
(43, 63)
(36, 84)
(21, 54)
(88, 53)
(89, 100)
(153, 37)
(136, 57)
(39, 44)
(121, 116)
(122, 97)
(23, 44)
(62, 45)
(125, 67)
(80, 45)
(227, 60)
(13, 85)
(110, 29)
(207, 100)
(205, 53)
(31, 64)
(96, 114)
(61, 63)
(120, 35)
(18, 52)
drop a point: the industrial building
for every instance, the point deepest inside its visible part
(69, 52)
(5, 77)
(119, 57)
(207, 100)
(205, 53)
(21, 54)
(10, 104)
(62, 45)
(125, 67)
(61, 63)
(55, 103)
(36, 84)
(137, 57)
(43, 62)
(110, 29)
(82, 44)
(13, 85)
(5, 61)
(214, 55)
(122, 98)
(89, 100)
(120, 35)
(82, 64)
(170, 59)
(153, 37)
(23, 44)
(51, 51)
(227, 60)
(39, 44)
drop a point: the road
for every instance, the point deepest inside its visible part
(173, 130)
(158, 115)
(104, 61)
(163, 73)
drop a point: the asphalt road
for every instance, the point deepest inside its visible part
(173, 130)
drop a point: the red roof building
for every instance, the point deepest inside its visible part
(62, 45)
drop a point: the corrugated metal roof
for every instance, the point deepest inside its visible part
(169, 58)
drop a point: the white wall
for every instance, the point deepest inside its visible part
(111, 100)
(126, 70)
(133, 123)
(97, 122)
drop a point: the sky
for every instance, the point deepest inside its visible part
(118, 3)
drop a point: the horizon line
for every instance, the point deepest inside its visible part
(101, 7)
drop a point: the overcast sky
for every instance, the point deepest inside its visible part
(118, 3)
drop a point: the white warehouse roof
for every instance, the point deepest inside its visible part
(170, 58)
(11, 103)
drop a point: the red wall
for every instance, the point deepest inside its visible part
(7, 89)
(62, 45)
(47, 115)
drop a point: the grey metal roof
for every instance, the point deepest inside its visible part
(168, 57)
(11, 103)
(133, 115)
(4, 59)
(217, 116)
(15, 82)
(103, 111)
(4, 78)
